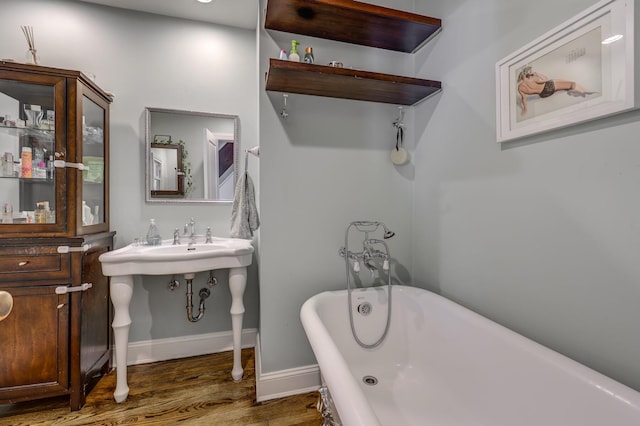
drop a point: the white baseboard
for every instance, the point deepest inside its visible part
(283, 383)
(147, 351)
(272, 385)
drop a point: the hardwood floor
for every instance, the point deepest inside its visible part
(188, 391)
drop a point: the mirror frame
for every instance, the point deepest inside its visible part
(149, 141)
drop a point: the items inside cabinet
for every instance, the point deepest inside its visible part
(93, 207)
(27, 146)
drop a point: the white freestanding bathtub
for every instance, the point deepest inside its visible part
(442, 364)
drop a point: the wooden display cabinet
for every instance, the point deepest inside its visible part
(54, 194)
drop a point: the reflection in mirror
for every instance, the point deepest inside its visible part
(191, 156)
(166, 170)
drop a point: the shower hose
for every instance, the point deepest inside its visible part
(377, 343)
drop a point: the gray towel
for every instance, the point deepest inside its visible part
(244, 214)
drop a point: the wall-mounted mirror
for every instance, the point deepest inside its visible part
(191, 156)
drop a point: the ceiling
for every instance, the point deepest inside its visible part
(235, 13)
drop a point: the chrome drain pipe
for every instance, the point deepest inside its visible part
(204, 294)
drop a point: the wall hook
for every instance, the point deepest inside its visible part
(399, 122)
(284, 114)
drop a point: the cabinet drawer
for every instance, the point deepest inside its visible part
(34, 264)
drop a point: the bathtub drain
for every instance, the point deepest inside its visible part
(364, 308)
(370, 380)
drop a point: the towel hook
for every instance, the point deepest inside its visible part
(255, 151)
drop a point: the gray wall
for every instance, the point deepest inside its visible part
(325, 166)
(150, 60)
(540, 235)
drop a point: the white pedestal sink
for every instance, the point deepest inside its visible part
(167, 259)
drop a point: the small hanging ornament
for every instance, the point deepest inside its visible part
(399, 155)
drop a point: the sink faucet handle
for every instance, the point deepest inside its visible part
(209, 238)
(176, 237)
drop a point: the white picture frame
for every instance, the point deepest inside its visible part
(571, 74)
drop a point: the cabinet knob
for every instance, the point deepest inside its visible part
(6, 304)
(23, 263)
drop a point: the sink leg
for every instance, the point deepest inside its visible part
(237, 284)
(121, 290)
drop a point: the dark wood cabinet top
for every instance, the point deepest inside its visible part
(47, 72)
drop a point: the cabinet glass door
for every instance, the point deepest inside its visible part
(27, 150)
(93, 159)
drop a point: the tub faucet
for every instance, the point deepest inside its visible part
(367, 260)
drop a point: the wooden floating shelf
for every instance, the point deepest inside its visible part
(352, 22)
(345, 83)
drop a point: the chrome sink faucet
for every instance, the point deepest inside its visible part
(190, 228)
(190, 231)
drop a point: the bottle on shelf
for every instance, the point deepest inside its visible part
(50, 216)
(8, 165)
(40, 213)
(7, 213)
(293, 54)
(51, 171)
(39, 169)
(308, 56)
(87, 216)
(153, 236)
(27, 161)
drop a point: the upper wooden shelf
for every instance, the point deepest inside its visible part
(352, 22)
(345, 83)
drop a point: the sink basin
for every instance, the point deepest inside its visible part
(166, 258)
